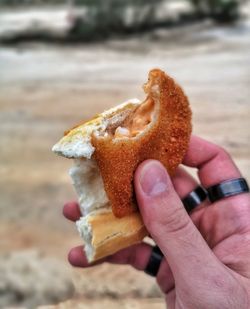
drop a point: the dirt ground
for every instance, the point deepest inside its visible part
(46, 89)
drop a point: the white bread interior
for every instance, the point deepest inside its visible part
(102, 232)
(89, 186)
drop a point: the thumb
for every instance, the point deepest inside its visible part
(168, 222)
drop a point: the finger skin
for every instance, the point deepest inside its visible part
(183, 182)
(201, 283)
(77, 258)
(172, 229)
(71, 211)
(213, 162)
(165, 277)
(136, 256)
(194, 266)
(227, 216)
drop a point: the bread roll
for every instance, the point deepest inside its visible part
(107, 150)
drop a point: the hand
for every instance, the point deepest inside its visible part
(206, 260)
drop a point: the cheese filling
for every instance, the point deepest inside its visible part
(137, 121)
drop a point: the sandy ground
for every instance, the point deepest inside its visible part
(45, 89)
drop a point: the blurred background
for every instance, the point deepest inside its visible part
(60, 63)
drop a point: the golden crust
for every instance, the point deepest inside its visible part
(110, 234)
(166, 140)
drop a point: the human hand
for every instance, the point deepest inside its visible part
(206, 261)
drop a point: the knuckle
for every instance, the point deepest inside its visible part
(222, 153)
(239, 215)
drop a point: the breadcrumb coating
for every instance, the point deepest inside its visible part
(166, 139)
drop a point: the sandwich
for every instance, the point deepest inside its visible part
(107, 150)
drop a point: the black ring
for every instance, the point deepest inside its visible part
(227, 188)
(154, 262)
(194, 199)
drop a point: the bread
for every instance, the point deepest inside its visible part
(107, 150)
(104, 234)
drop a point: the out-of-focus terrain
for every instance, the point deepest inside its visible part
(46, 89)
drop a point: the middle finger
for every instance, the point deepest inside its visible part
(184, 184)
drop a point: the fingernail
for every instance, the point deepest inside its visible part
(153, 179)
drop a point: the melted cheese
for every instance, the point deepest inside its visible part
(137, 122)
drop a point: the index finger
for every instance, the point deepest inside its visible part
(213, 162)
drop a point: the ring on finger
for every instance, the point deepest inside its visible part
(194, 198)
(154, 262)
(227, 188)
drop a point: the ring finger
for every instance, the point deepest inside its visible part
(138, 256)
